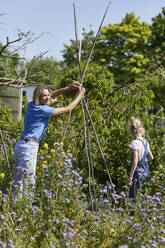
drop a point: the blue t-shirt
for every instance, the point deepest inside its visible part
(36, 121)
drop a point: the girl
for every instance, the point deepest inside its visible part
(141, 153)
(35, 124)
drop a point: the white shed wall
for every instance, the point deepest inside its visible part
(29, 92)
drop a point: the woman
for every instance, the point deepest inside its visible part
(35, 124)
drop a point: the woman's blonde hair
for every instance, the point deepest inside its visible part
(37, 93)
(137, 127)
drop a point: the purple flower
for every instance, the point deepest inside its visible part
(2, 217)
(85, 185)
(70, 155)
(17, 229)
(19, 220)
(120, 209)
(3, 244)
(68, 244)
(48, 193)
(56, 221)
(10, 244)
(59, 176)
(161, 238)
(85, 231)
(64, 235)
(153, 244)
(71, 234)
(123, 194)
(106, 200)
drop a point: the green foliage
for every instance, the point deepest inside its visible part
(111, 118)
(24, 104)
(44, 71)
(70, 52)
(59, 215)
(11, 132)
(155, 81)
(8, 65)
(123, 48)
(98, 80)
(157, 37)
(121, 81)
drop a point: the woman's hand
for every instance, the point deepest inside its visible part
(82, 90)
(74, 86)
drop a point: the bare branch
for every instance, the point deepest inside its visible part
(25, 39)
(9, 43)
(11, 57)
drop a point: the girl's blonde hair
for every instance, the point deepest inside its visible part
(37, 93)
(137, 127)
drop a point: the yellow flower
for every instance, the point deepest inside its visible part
(44, 162)
(52, 151)
(45, 146)
(55, 144)
(61, 163)
(42, 165)
(2, 175)
(63, 153)
(49, 157)
(30, 163)
(67, 151)
(61, 144)
(113, 232)
(41, 152)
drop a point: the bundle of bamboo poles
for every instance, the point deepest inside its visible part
(86, 114)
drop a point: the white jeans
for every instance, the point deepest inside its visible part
(25, 156)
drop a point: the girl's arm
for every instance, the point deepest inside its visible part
(133, 167)
(150, 155)
(74, 86)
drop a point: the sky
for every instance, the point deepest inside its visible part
(55, 20)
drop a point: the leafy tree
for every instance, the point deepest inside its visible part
(93, 81)
(155, 80)
(8, 65)
(157, 42)
(70, 52)
(44, 71)
(122, 48)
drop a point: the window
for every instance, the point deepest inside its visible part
(24, 93)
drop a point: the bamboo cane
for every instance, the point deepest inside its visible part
(101, 151)
(81, 80)
(91, 162)
(94, 42)
(88, 157)
(90, 165)
(76, 36)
